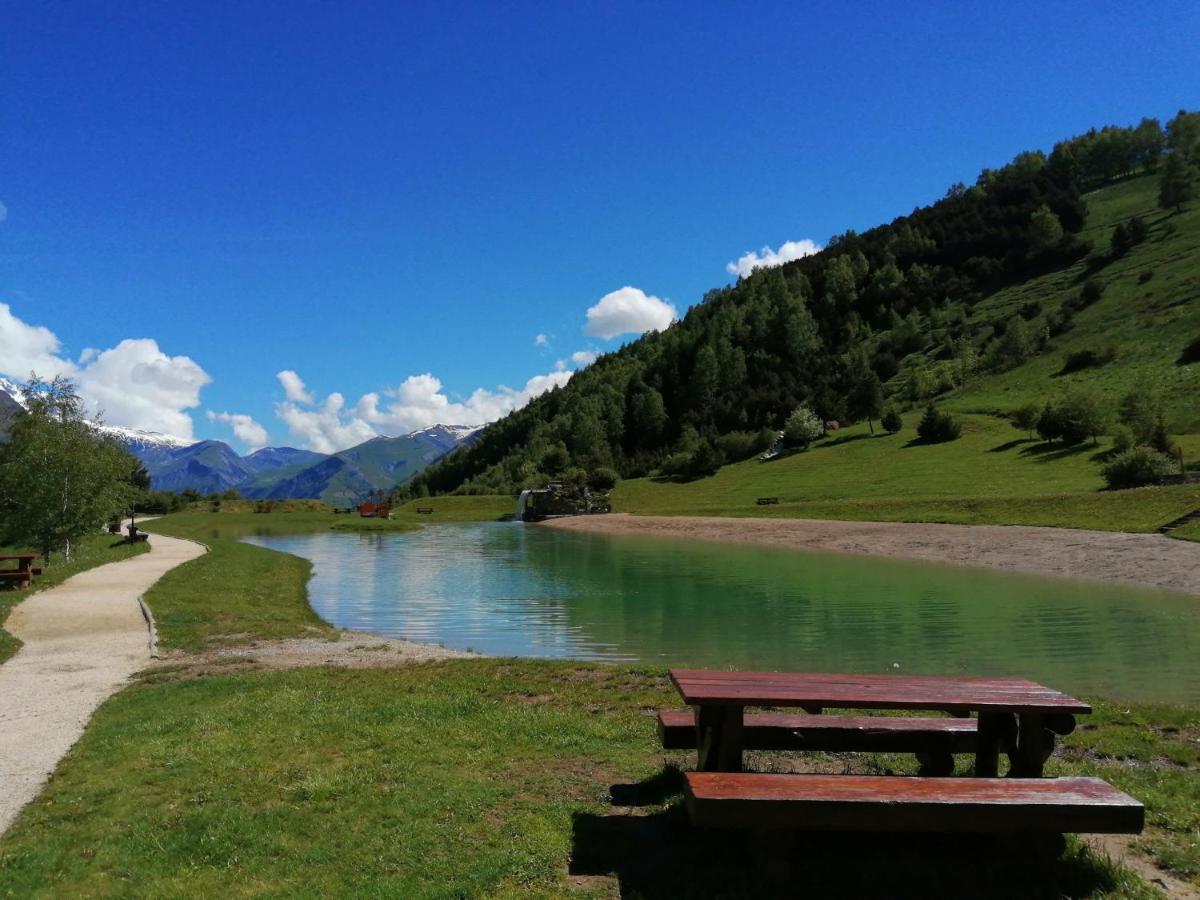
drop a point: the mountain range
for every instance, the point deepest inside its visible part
(276, 473)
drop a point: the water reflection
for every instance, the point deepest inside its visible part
(515, 590)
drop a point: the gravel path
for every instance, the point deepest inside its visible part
(1148, 560)
(82, 641)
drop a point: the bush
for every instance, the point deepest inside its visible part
(1030, 310)
(1072, 420)
(1087, 359)
(1137, 467)
(738, 445)
(1123, 440)
(1092, 290)
(1145, 276)
(890, 420)
(1060, 322)
(1026, 418)
(938, 427)
(603, 479)
(1191, 353)
(802, 428)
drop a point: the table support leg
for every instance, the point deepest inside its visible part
(994, 729)
(719, 738)
(1035, 743)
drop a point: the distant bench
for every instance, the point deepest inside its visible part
(424, 510)
(934, 740)
(895, 803)
(767, 501)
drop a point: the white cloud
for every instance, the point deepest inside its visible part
(29, 348)
(245, 429)
(628, 311)
(767, 258)
(138, 385)
(133, 384)
(542, 340)
(418, 402)
(583, 358)
(294, 388)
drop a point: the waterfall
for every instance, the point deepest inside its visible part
(521, 502)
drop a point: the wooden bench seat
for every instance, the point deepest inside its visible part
(896, 803)
(885, 734)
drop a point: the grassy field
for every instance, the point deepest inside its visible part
(95, 550)
(457, 509)
(236, 592)
(489, 778)
(993, 474)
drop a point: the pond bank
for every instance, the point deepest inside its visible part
(1147, 560)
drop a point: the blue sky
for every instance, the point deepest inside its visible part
(360, 193)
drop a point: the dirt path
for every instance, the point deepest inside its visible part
(82, 641)
(1148, 560)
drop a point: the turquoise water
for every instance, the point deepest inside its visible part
(514, 590)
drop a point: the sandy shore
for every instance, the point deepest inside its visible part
(1146, 560)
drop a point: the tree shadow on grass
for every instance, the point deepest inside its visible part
(1011, 445)
(850, 438)
(656, 853)
(1048, 451)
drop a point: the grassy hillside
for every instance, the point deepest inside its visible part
(1149, 312)
(993, 474)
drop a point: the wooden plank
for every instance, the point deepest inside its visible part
(778, 731)
(893, 803)
(698, 687)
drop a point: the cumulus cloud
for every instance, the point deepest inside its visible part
(767, 258)
(293, 387)
(628, 311)
(418, 402)
(245, 429)
(583, 358)
(541, 340)
(134, 383)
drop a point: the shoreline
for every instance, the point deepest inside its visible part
(1140, 560)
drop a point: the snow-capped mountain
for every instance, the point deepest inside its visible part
(176, 464)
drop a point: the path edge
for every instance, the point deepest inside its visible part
(147, 612)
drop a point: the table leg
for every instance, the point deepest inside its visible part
(994, 730)
(1035, 743)
(719, 738)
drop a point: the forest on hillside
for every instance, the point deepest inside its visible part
(876, 319)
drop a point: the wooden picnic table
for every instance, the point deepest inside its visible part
(24, 570)
(1018, 716)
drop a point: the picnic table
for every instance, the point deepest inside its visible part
(24, 570)
(1015, 715)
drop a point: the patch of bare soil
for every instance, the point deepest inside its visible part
(347, 649)
(1120, 847)
(1148, 560)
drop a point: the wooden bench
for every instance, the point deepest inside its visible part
(884, 734)
(424, 510)
(767, 501)
(895, 803)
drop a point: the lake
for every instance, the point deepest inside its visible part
(516, 590)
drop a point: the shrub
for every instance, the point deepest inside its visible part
(1030, 310)
(1137, 467)
(1137, 229)
(938, 427)
(1191, 353)
(1087, 359)
(1092, 290)
(1026, 418)
(1123, 440)
(1145, 276)
(1060, 322)
(1073, 419)
(603, 479)
(738, 445)
(890, 420)
(802, 427)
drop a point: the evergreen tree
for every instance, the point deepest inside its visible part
(1178, 184)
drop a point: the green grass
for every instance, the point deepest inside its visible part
(1188, 532)
(484, 508)
(236, 592)
(1148, 322)
(94, 550)
(481, 778)
(993, 474)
